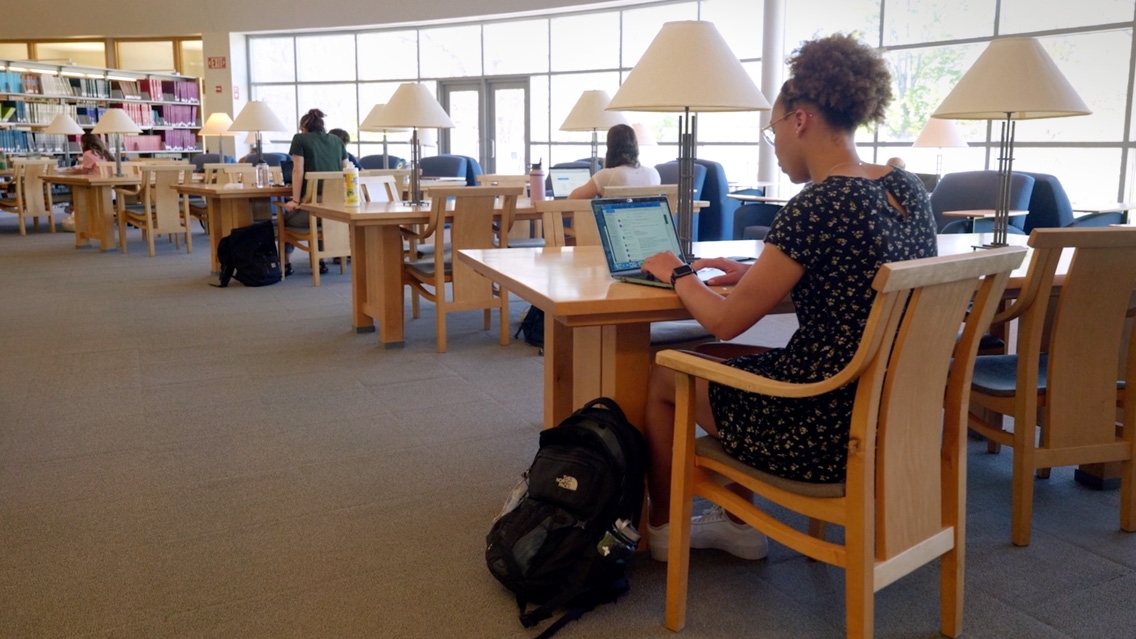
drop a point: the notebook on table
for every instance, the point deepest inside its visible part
(566, 179)
(632, 230)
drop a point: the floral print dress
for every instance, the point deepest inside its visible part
(840, 230)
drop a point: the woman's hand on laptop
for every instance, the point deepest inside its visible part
(661, 265)
(733, 271)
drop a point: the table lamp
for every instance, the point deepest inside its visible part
(218, 125)
(643, 135)
(116, 121)
(1014, 79)
(369, 125)
(590, 114)
(412, 107)
(258, 118)
(940, 134)
(688, 69)
(64, 125)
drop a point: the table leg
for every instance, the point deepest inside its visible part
(625, 367)
(384, 281)
(213, 216)
(559, 372)
(360, 276)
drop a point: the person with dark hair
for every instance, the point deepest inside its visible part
(823, 250)
(621, 166)
(94, 151)
(313, 149)
(346, 138)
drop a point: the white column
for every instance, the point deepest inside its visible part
(223, 71)
(772, 76)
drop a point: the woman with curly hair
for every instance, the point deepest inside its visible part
(621, 166)
(823, 249)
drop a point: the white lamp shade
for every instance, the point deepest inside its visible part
(116, 121)
(688, 65)
(643, 135)
(411, 106)
(257, 116)
(217, 124)
(250, 138)
(63, 125)
(370, 122)
(590, 113)
(1014, 78)
(940, 134)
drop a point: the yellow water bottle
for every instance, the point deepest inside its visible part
(351, 183)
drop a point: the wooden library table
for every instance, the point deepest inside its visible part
(376, 259)
(228, 208)
(597, 330)
(91, 199)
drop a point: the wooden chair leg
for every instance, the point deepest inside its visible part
(1021, 507)
(951, 575)
(440, 322)
(1128, 496)
(859, 593)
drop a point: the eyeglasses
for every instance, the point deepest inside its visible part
(767, 131)
(769, 134)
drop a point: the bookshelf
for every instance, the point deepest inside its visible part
(167, 107)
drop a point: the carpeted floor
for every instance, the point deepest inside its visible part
(178, 460)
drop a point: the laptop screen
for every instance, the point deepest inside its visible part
(633, 229)
(565, 180)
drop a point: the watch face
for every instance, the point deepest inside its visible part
(681, 271)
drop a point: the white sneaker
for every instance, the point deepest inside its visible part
(68, 223)
(713, 529)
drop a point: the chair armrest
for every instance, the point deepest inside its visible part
(691, 364)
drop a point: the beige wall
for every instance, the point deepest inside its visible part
(133, 18)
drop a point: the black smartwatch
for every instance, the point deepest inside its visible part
(680, 272)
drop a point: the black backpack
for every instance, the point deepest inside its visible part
(249, 254)
(532, 327)
(569, 528)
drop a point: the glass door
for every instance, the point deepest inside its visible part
(491, 117)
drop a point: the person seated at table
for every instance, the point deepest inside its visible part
(621, 166)
(346, 138)
(94, 151)
(313, 149)
(823, 249)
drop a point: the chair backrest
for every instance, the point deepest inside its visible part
(909, 344)
(33, 191)
(1087, 329)
(970, 190)
(715, 221)
(472, 227)
(754, 219)
(376, 161)
(669, 190)
(498, 179)
(159, 196)
(401, 178)
(379, 188)
(106, 168)
(1049, 206)
(328, 187)
(668, 173)
(451, 166)
(230, 173)
(583, 222)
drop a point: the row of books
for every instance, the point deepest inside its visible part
(180, 140)
(34, 112)
(27, 141)
(154, 89)
(176, 115)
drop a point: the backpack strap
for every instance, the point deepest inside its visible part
(586, 602)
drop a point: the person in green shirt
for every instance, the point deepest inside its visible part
(313, 149)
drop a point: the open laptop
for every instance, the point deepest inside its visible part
(632, 230)
(566, 179)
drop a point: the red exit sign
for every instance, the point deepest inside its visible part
(217, 62)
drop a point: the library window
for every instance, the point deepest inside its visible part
(450, 52)
(388, 55)
(516, 47)
(272, 60)
(14, 50)
(148, 55)
(325, 58)
(192, 58)
(1021, 16)
(87, 54)
(601, 51)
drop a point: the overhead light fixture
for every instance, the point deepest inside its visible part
(1014, 79)
(688, 69)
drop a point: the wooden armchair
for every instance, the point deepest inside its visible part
(163, 210)
(378, 188)
(321, 238)
(903, 503)
(33, 195)
(1063, 376)
(474, 211)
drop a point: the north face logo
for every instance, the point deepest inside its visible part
(567, 482)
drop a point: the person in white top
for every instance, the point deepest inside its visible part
(621, 166)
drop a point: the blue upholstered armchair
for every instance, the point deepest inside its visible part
(452, 166)
(201, 159)
(376, 161)
(715, 221)
(270, 158)
(668, 172)
(978, 190)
